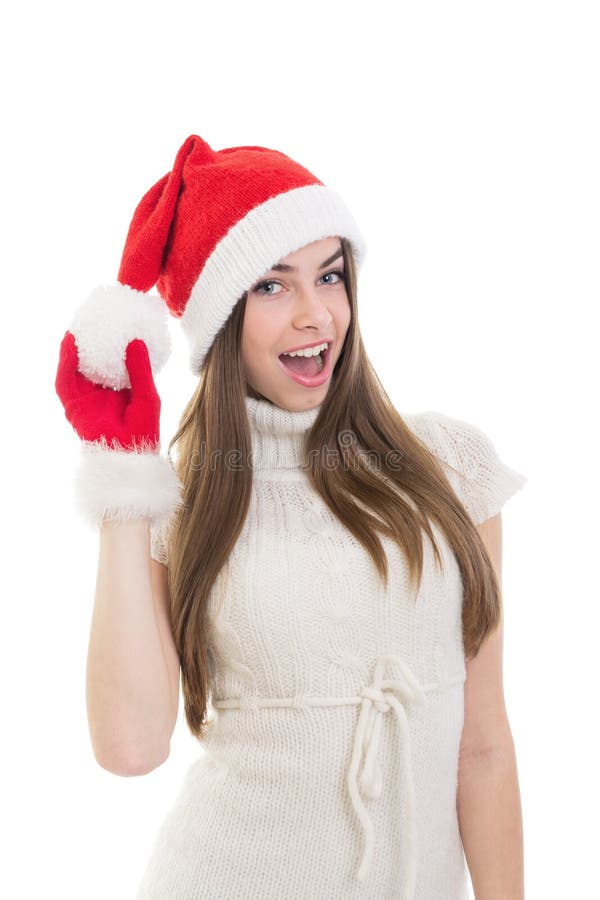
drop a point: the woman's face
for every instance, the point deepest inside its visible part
(301, 300)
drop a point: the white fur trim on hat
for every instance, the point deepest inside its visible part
(267, 233)
(104, 325)
(125, 484)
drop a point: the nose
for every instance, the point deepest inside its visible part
(310, 310)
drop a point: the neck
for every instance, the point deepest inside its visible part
(277, 433)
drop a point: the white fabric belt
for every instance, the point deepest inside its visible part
(375, 699)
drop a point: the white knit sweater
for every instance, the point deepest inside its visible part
(330, 767)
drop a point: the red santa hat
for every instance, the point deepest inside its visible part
(203, 234)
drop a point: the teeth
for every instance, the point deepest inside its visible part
(308, 351)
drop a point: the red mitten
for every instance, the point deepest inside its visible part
(126, 419)
(123, 475)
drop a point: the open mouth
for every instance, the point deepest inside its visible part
(309, 371)
(307, 366)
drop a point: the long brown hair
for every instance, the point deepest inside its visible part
(369, 498)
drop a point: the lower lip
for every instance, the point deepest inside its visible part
(316, 380)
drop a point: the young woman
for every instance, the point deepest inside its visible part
(321, 572)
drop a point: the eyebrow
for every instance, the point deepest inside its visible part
(284, 267)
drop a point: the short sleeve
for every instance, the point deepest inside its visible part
(482, 481)
(158, 546)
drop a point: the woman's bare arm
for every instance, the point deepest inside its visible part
(132, 679)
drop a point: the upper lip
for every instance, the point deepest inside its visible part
(304, 346)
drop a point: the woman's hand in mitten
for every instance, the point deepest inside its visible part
(122, 474)
(126, 419)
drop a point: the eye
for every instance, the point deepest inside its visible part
(337, 272)
(262, 284)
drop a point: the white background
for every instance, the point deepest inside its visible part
(464, 137)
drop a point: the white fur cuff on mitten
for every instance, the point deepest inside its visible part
(125, 484)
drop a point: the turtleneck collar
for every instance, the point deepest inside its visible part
(277, 434)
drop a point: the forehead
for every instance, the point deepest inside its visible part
(319, 253)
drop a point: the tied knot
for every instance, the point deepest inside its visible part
(377, 696)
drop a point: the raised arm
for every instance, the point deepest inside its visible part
(123, 485)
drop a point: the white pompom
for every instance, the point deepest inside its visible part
(109, 319)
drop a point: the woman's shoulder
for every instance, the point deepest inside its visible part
(456, 442)
(483, 481)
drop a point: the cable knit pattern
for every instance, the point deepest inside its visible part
(330, 767)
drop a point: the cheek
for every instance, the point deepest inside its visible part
(343, 314)
(259, 332)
